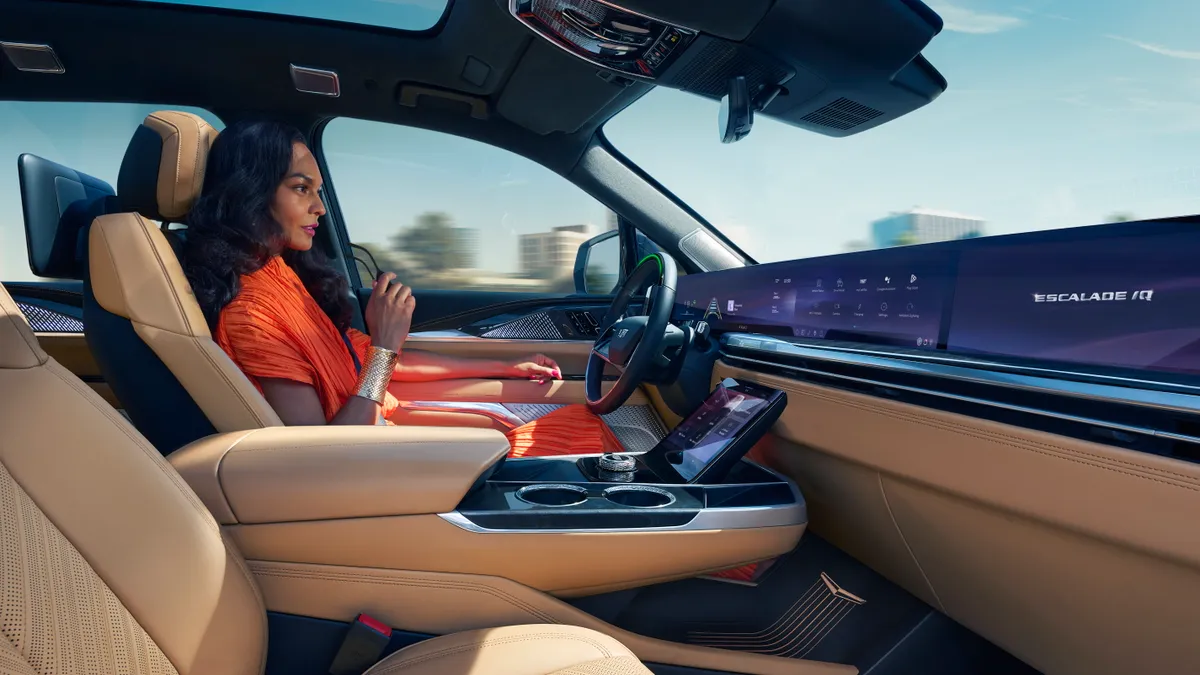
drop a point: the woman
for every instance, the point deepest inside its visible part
(283, 315)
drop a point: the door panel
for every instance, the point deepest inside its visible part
(1074, 556)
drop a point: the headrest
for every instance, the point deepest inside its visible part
(59, 203)
(163, 169)
(18, 346)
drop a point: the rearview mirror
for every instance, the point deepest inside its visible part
(737, 114)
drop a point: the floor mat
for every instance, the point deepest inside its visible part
(814, 603)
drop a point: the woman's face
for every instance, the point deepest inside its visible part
(297, 202)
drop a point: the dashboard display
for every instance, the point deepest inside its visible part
(733, 417)
(1131, 302)
(864, 297)
(1120, 295)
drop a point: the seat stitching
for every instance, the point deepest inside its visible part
(150, 451)
(228, 381)
(487, 642)
(162, 266)
(107, 248)
(418, 582)
(178, 159)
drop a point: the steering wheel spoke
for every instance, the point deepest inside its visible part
(629, 342)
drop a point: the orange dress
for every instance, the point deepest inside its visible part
(275, 329)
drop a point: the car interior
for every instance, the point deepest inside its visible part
(797, 496)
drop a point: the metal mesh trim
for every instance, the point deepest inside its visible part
(533, 327)
(43, 320)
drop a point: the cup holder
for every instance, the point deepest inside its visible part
(639, 496)
(553, 495)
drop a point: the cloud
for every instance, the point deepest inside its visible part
(963, 20)
(1158, 49)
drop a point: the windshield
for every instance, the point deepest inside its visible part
(1058, 114)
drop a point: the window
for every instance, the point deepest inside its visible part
(401, 14)
(88, 137)
(445, 212)
(1054, 117)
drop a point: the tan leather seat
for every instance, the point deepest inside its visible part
(135, 277)
(109, 563)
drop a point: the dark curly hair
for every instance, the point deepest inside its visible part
(231, 231)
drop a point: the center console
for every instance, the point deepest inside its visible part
(304, 502)
(696, 478)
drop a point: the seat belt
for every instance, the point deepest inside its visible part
(364, 645)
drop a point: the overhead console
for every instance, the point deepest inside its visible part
(836, 68)
(606, 35)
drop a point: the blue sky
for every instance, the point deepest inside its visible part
(1059, 113)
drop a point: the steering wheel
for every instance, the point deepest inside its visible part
(630, 344)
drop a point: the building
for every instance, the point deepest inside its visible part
(551, 254)
(922, 226)
(466, 240)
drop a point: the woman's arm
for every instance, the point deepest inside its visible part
(297, 404)
(420, 366)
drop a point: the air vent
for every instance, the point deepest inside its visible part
(842, 114)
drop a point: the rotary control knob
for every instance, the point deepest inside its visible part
(616, 463)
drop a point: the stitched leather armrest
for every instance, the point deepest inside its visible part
(284, 474)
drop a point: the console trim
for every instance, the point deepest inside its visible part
(733, 518)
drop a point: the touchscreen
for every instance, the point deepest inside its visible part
(693, 444)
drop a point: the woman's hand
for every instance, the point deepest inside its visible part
(389, 312)
(539, 368)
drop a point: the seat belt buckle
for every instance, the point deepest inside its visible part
(363, 646)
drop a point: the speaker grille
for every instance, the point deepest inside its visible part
(842, 114)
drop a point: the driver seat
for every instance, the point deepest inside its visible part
(112, 564)
(144, 326)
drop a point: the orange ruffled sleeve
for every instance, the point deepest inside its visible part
(262, 346)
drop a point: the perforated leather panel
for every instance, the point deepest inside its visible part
(56, 614)
(611, 666)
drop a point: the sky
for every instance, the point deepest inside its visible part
(1058, 113)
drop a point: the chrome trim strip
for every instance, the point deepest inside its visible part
(1083, 390)
(537, 487)
(639, 488)
(963, 360)
(743, 518)
(1149, 431)
(459, 336)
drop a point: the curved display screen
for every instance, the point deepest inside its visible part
(1124, 295)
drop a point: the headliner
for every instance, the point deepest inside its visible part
(540, 102)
